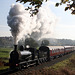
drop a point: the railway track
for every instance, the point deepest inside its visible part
(40, 66)
(7, 71)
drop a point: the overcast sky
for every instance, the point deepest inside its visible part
(65, 28)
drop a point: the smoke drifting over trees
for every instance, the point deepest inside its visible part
(8, 42)
(36, 27)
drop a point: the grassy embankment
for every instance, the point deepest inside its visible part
(4, 55)
(66, 67)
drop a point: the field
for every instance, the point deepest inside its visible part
(66, 67)
(4, 55)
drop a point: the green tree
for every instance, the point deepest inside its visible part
(31, 42)
(45, 43)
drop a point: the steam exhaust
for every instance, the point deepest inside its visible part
(24, 26)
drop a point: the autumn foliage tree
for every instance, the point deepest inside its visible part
(70, 5)
(36, 4)
(33, 6)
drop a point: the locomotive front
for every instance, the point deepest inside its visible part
(17, 56)
(14, 58)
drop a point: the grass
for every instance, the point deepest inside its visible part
(4, 52)
(66, 67)
(5, 49)
(4, 55)
(3, 67)
(59, 65)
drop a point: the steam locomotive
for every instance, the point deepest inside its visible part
(31, 56)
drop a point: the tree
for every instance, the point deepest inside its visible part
(70, 5)
(45, 43)
(31, 42)
(37, 4)
(32, 3)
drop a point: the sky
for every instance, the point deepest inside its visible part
(64, 29)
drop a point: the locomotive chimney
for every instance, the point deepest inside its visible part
(15, 47)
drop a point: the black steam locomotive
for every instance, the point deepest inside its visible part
(28, 57)
(31, 56)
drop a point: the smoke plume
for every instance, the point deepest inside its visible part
(22, 24)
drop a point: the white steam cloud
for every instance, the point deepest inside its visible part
(22, 24)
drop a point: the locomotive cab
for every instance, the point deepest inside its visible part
(46, 52)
